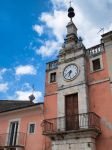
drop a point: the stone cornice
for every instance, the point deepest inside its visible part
(71, 59)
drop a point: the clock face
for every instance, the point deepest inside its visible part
(70, 72)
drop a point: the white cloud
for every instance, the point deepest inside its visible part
(25, 92)
(2, 72)
(38, 29)
(25, 70)
(86, 21)
(56, 21)
(3, 87)
(55, 24)
(60, 4)
(24, 95)
(27, 86)
(48, 49)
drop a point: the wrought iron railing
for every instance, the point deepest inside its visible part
(14, 140)
(76, 122)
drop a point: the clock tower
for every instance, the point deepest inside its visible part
(72, 73)
(72, 95)
(74, 126)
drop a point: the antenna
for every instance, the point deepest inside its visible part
(101, 30)
(33, 88)
(32, 97)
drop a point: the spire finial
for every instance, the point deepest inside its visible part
(71, 13)
(70, 3)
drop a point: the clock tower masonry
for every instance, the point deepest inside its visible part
(73, 126)
(72, 53)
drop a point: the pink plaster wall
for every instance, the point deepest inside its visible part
(100, 102)
(33, 141)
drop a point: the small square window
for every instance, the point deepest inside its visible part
(32, 128)
(53, 77)
(96, 64)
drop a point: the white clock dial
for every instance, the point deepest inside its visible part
(70, 72)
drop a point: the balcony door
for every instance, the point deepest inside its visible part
(71, 112)
(12, 139)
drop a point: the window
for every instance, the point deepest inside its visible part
(53, 77)
(96, 64)
(13, 130)
(32, 128)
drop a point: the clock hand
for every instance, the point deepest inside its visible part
(70, 76)
(68, 73)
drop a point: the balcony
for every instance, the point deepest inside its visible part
(13, 141)
(52, 65)
(75, 123)
(96, 50)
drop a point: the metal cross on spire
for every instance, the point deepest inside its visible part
(70, 3)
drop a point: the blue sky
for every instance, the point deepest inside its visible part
(31, 34)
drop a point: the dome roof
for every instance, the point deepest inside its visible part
(71, 13)
(70, 9)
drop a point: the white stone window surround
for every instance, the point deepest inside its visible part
(49, 75)
(13, 120)
(30, 123)
(91, 63)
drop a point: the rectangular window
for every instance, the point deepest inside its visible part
(96, 64)
(53, 77)
(32, 128)
(13, 133)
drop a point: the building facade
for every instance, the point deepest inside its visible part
(76, 113)
(20, 125)
(79, 85)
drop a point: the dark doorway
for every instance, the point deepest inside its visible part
(12, 139)
(71, 112)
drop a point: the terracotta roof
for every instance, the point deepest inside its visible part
(9, 105)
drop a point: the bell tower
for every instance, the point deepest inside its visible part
(72, 71)
(74, 127)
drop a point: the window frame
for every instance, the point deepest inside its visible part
(91, 63)
(95, 65)
(29, 127)
(52, 81)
